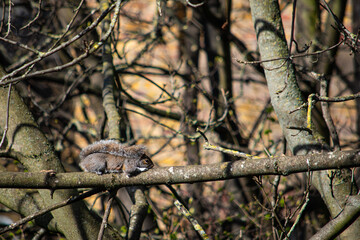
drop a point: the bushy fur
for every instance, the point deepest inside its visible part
(113, 147)
(109, 156)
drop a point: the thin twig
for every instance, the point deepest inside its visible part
(35, 18)
(106, 214)
(342, 29)
(2, 15)
(9, 20)
(235, 153)
(317, 98)
(309, 112)
(67, 43)
(157, 122)
(291, 56)
(77, 10)
(292, 26)
(195, 5)
(88, 51)
(49, 209)
(19, 44)
(327, 115)
(191, 219)
(73, 86)
(303, 207)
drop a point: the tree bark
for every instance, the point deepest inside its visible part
(284, 165)
(29, 145)
(355, 84)
(286, 96)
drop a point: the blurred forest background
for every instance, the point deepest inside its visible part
(160, 73)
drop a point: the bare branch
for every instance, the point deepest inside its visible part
(106, 214)
(49, 209)
(291, 56)
(137, 214)
(65, 44)
(283, 165)
(336, 226)
(35, 18)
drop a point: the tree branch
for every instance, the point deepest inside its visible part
(336, 226)
(284, 165)
(137, 213)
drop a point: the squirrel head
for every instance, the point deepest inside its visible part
(145, 163)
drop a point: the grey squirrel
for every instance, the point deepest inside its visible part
(110, 156)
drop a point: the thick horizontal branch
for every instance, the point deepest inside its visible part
(284, 165)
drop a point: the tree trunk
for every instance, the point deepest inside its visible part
(286, 96)
(28, 144)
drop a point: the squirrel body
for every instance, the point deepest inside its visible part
(110, 156)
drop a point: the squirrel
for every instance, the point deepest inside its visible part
(110, 156)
